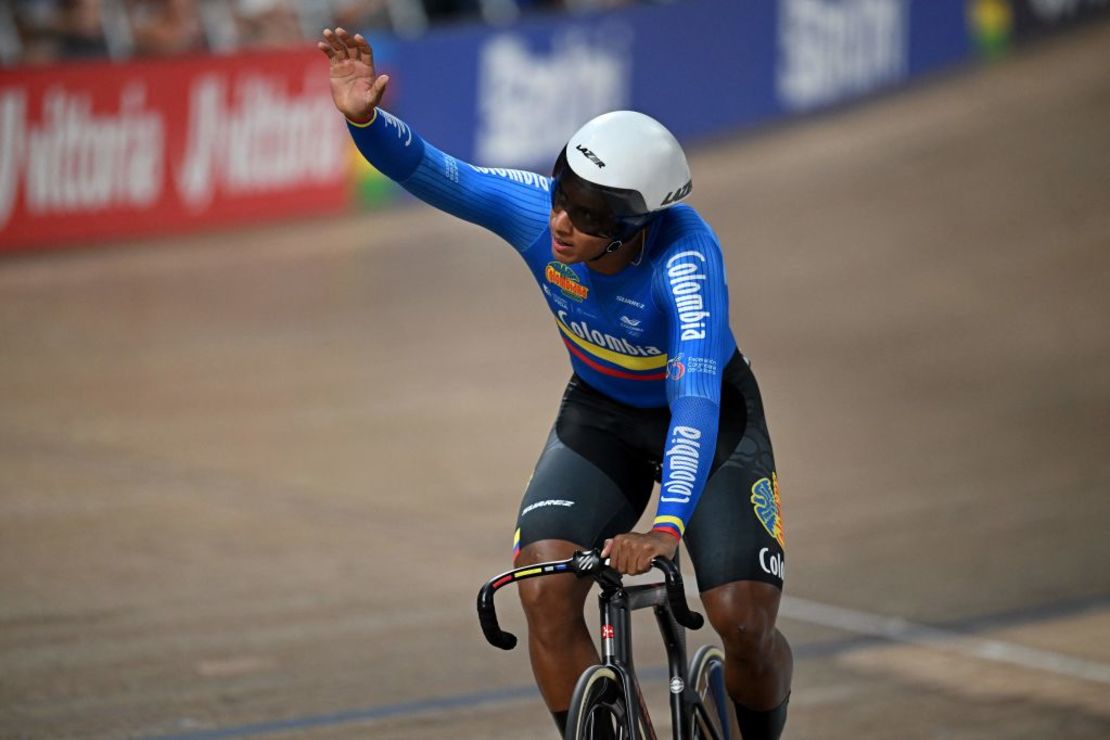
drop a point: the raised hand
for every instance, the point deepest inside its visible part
(355, 89)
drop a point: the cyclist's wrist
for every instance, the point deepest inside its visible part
(672, 525)
(667, 529)
(363, 123)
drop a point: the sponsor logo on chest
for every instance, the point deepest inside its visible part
(630, 302)
(583, 330)
(634, 327)
(566, 280)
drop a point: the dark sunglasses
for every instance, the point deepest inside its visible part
(588, 220)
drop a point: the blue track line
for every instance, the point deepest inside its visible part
(363, 715)
(656, 673)
(406, 709)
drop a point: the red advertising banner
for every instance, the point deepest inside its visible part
(93, 151)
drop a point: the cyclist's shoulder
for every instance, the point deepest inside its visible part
(683, 216)
(683, 231)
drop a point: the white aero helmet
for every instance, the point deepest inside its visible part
(628, 161)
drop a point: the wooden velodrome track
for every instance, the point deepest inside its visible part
(251, 482)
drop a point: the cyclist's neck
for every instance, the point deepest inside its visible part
(631, 252)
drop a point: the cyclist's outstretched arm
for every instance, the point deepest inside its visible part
(513, 204)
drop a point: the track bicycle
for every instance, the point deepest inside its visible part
(607, 703)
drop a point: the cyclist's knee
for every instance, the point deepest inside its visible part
(553, 608)
(553, 605)
(743, 614)
(545, 550)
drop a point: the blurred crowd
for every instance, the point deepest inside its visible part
(41, 31)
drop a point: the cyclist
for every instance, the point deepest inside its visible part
(636, 282)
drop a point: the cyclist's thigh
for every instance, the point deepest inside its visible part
(588, 483)
(736, 531)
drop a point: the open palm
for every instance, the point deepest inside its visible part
(355, 89)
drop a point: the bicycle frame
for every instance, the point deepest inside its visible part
(616, 602)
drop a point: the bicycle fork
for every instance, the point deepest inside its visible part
(616, 606)
(674, 638)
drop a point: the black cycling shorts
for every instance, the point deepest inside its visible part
(595, 477)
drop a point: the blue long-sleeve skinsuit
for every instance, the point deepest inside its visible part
(656, 334)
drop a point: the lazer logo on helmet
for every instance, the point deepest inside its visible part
(683, 457)
(590, 155)
(685, 279)
(564, 278)
(676, 195)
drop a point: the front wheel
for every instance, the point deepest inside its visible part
(715, 719)
(597, 708)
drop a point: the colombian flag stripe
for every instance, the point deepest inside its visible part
(671, 521)
(626, 361)
(608, 370)
(668, 528)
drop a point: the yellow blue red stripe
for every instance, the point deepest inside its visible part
(629, 367)
(583, 357)
(672, 525)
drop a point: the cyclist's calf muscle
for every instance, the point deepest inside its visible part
(759, 663)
